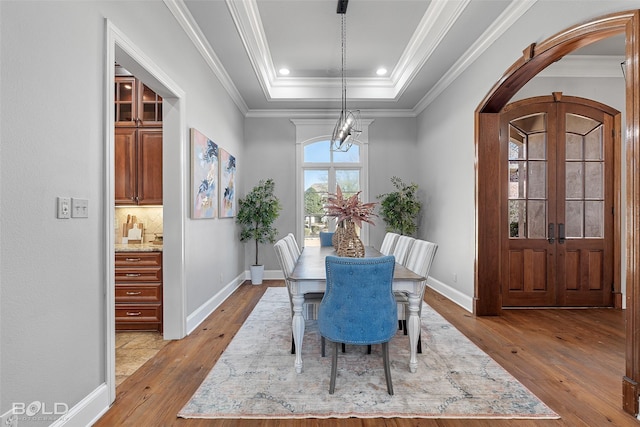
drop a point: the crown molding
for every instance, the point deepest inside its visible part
(180, 12)
(506, 19)
(436, 22)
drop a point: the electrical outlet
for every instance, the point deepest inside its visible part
(64, 207)
(79, 208)
(9, 419)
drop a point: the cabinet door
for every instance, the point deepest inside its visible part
(126, 101)
(149, 107)
(149, 166)
(125, 166)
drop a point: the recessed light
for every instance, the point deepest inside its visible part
(381, 71)
(284, 71)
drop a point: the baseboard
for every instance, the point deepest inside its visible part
(202, 312)
(464, 301)
(87, 411)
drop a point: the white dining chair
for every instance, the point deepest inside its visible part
(287, 264)
(388, 243)
(292, 244)
(419, 260)
(401, 248)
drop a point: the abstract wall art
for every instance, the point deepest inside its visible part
(227, 184)
(204, 176)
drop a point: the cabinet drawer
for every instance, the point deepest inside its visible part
(138, 293)
(138, 259)
(128, 313)
(138, 275)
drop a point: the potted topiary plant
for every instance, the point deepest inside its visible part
(257, 212)
(399, 209)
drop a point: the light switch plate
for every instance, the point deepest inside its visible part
(79, 208)
(64, 207)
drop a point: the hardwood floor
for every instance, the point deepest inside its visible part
(571, 359)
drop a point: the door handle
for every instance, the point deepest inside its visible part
(551, 233)
(561, 233)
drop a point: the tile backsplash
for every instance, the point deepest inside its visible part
(151, 217)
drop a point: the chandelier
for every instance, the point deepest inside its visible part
(347, 129)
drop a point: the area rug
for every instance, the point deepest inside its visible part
(255, 376)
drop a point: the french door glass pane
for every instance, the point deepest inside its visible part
(573, 146)
(593, 219)
(527, 188)
(537, 180)
(584, 180)
(537, 149)
(593, 145)
(574, 184)
(517, 180)
(537, 219)
(517, 215)
(574, 217)
(594, 177)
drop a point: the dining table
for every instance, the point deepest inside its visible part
(309, 275)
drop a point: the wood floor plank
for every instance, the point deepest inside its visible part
(573, 360)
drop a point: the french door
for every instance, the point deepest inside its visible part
(557, 222)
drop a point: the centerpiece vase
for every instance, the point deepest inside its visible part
(337, 235)
(350, 244)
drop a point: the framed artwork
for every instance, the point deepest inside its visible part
(204, 176)
(227, 184)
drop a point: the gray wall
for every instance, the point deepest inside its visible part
(52, 306)
(271, 153)
(446, 137)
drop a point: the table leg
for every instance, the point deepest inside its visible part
(297, 325)
(414, 330)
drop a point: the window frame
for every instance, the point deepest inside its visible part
(310, 131)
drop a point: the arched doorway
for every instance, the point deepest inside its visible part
(487, 298)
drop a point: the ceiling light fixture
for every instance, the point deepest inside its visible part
(347, 129)
(381, 71)
(284, 71)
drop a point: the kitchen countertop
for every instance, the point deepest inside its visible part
(138, 247)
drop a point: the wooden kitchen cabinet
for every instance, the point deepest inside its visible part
(138, 143)
(138, 166)
(136, 105)
(138, 292)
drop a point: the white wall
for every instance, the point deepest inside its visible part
(446, 138)
(52, 307)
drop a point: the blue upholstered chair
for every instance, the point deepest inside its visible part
(359, 307)
(326, 238)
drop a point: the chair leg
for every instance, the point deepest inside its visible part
(419, 343)
(404, 326)
(387, 367)
(400, 324)
(334, 368)
(369, 349)
(322, 345)
(343, 348)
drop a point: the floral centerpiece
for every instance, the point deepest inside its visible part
(349, 213)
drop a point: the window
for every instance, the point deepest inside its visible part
(319, 172)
